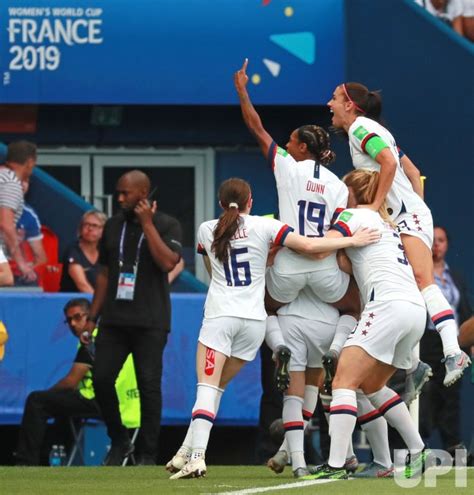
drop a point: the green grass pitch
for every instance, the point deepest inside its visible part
(219, 479)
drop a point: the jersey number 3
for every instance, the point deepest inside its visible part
(231, 269)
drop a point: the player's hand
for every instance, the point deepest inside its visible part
(144, 211)
(27, 272)
(364, 236)
(272, 253)
(240, 77)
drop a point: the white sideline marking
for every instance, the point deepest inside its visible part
(286, 486)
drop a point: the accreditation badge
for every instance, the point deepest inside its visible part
(126, 286)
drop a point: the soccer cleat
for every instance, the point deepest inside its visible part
(179, 460)
(301, 472)
(455, 366)
(282, 373)
(278, 462)
(326, 472)
(414, 382)
(415, 464)
(374, 470)
(329, 365)
(351, 464)
(195, 468)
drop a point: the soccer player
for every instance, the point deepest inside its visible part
(356, 110)
(309, 199)
(235, 249)
(392, 322)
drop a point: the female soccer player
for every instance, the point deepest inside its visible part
(309, 199)
(356, 110)
(391, 324)
(235, 249)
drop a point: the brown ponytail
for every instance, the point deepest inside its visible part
(234, 195)
(367, 103)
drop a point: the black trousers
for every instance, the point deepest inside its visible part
(439, 405)
(38, 408)
(112, 348)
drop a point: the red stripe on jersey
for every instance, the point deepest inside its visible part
(364, 141)
(200, 249)
(280, 237)
(344, 227)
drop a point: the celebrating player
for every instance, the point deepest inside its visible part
(235, 249)
(356, 110)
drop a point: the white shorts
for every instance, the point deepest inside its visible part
(232, 336)
(308, 341)
(329, 283)
(388, 331)
(418, 225)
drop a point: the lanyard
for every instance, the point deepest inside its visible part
(122, 238)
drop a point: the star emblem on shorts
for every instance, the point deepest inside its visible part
(371, 315)
(419, 229)
(364, 332)
(368, 324)
(417, 222)
(415, 216)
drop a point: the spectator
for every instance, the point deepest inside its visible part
(30, 238)
(70, 395)
(20, 161)
(448, 11)
(6, 276)
(138, 249)
(440, 406)
(80, 264)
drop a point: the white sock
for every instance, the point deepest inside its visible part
(186, 447)
(375, 427)
(294, 429)
(396, 413)
(309, 405)
(273, 334)
(344, 327)
(341, 425)
(326, 402)
(442, 316)
(204, 413)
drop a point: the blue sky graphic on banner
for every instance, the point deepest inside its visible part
(168, 51)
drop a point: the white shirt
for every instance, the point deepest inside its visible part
(238, 286)
(381, 270)
(454, 9)
(307, 305)
(3, 259)
(401, 197)
(309, 199)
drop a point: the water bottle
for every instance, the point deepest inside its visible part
(54, 457)
(62, 455)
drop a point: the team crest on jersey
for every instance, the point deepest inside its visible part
(360, 132)
(345, 216)
(282, 152)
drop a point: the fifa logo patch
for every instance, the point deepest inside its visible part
(210, 362)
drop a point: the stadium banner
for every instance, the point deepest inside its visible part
(40, 350)
(169, 52)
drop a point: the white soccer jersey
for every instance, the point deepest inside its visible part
(238, 286)
(307, 305)
(401, 197)
(381, 270)
(309, 199)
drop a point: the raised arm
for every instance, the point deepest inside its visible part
(251, 118)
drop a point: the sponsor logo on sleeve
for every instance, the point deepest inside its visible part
(345, 216)
(360, 132)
